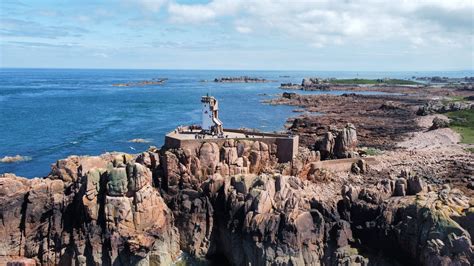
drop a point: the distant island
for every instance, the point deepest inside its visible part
(157, 81)
(438, 79)
(309, 84)
(242, 79)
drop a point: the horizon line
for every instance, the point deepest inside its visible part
(234, 69)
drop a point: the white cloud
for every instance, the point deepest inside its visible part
(191, 13)
(243, 29)
(152, 5)
(197, 13)
(334, 22)
(101, 55)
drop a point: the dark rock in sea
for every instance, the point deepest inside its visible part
(243, 79)
(290, 86)
(158, 81)
(310, 84)
(289, 95)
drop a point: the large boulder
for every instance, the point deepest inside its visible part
(346, 142)
(439, 123)
(71, 168)
(326, 145)
(209, 157)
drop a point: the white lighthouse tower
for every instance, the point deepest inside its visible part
(210, 116)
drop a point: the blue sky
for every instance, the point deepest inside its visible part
(239, 34)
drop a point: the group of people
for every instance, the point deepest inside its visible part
(212, 135)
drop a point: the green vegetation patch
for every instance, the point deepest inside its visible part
(463, 123)
(373, 81)
(454, 99)
(372, 151)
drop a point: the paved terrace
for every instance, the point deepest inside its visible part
(234, 134)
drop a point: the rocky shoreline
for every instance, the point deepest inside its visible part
(237, 205)
(129, 210)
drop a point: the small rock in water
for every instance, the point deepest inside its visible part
(14, 159)
(140, 141)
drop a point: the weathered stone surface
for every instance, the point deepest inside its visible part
(346, 142)
(71, 168)
(434, 107)
(105, 216)
(439, 123)
(209, 157)
(400, 187)
(338, 143)
(418, 227)
(326, 145)
(117, 183)
(114, 214)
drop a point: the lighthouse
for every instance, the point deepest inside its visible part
(210, 116)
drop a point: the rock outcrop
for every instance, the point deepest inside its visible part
(189, 167)
(314, 84)
(232, 204)
(434, 107)
(338, 143)
(420, 229)
(439, 123)
(89, 211)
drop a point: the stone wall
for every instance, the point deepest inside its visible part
(286, 147)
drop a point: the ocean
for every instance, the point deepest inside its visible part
(49, 114)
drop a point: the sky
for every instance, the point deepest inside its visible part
(362, 35)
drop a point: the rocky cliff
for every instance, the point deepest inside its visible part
(89, 211)
(235, 205)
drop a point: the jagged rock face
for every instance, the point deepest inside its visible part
(326, 146)
(263, 220)
(189, 168)
(419, 229)
(109, 215)
(346, 142)
(266, 219)
(338, 144)
(260, 220)
(114, 215)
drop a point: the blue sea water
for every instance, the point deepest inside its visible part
(49, 114)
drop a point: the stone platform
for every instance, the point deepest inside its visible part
(286, 145)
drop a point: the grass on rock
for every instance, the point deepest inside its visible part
(463, 123)
(453, 99)
(373, 151)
